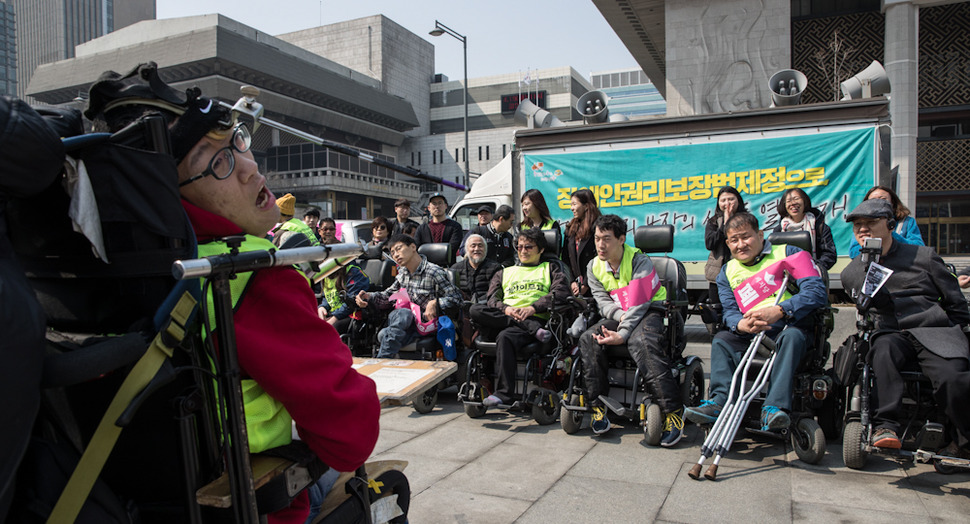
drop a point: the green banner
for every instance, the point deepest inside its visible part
(678, 184)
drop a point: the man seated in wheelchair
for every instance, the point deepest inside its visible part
(629, 299)
(920, 318)
(473, 275)
(293, 365)
(421, 292)
(749, 311)
(519, 300)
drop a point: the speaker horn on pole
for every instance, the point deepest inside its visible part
(787, 87)
(534, 116)
(871, 81)
(592, 106)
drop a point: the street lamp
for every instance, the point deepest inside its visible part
(441, 29)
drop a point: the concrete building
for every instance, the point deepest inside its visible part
(8, 49)
(709, 56)
(298, 88)
(631, 93)
(492, 103)
(49, 30)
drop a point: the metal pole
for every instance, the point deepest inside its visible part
(464, 44)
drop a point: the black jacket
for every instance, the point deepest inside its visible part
(825, 253)
(473, 282)
(501, 246)
(452, 235)
(398, 227)
(921, 297)
(578, 259)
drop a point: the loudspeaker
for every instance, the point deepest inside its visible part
(871, 81)
(535, 117)
(786, 87)
(592, 106)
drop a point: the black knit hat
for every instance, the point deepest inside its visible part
(196, 115)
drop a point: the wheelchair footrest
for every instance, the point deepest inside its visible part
(614, 405)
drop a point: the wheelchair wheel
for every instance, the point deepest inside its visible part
(472, 392)
(692, 389)
(808, 439)
(853, 440)
(653, 424)
(571, 420)
(546, 406)
(426, 401)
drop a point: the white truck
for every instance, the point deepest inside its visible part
(669, 170)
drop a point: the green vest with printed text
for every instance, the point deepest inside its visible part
(602, 272)
(268, 424)
(736, 273)
(298, 226)
(523, 285)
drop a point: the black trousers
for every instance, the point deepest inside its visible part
(950, 377)
(509, 334)
(649, 349)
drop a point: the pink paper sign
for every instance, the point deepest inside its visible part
(638, 291)
(766, 282)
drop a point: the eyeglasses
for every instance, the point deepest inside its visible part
(526, 247)
(223, 162)
(794, 200)
(380, 228)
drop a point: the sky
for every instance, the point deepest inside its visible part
(503, 36)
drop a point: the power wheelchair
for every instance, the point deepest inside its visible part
(813, 395)
(628, 397)
(182, 432)
(426, 347)
(923, 422)
(542, 366)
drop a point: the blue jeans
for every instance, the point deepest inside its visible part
(399, 332)
(727, 350)
(319, 490)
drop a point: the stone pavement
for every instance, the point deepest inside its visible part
(505, 468)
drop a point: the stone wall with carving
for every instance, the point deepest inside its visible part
(720, 53)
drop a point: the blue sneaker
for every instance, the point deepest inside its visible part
(706, 413)
(673, 428)
(600, 422)
(774, 419)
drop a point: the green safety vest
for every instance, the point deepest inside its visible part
(268, 424)
(523, 285)
(602, 272)
(330, 291)
(297, 226)
(737, 273)
(548, 224)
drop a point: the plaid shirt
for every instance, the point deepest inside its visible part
(428, 282)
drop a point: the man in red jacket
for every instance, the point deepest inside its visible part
(284, 348)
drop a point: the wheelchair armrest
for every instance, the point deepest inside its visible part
(265, 468)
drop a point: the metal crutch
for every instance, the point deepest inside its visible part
(722, 433)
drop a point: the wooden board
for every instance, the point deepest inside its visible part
(399, 381)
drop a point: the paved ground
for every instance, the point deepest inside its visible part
(505, 468)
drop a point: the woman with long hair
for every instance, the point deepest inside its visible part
(535, 212)
(906, 230)
(796, 213)
(580, 248)
(729, 203)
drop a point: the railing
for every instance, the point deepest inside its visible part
(333, 179)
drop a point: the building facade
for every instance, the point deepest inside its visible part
(631, 93)
(711, 56)
(49, 30)
(8, 49)
(298, 88)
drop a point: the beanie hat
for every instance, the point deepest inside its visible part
(287, 204)
(197, 115)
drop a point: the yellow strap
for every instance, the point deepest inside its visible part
(92, 461)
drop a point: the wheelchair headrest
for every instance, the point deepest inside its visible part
(438, 253)
(800, 239)
(553, 241)
(654, 239)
